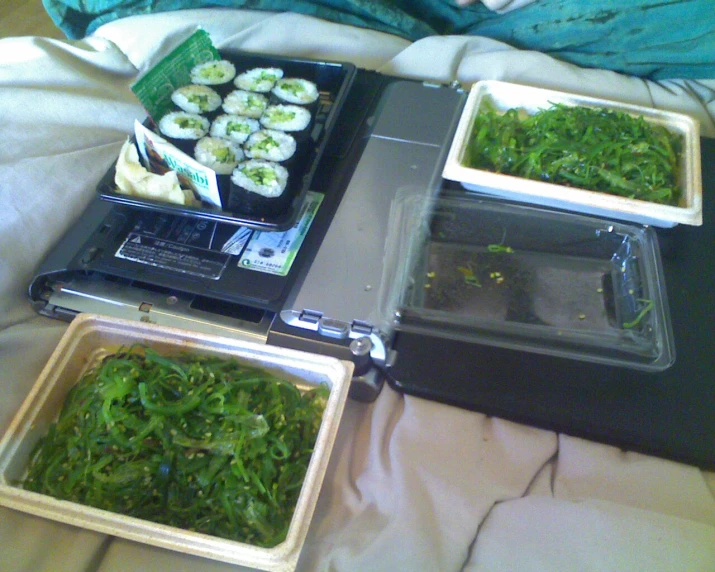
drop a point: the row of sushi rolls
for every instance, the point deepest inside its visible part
(251, 133)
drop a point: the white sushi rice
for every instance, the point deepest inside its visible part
(258, 79)
(296, 90)
(196, 99)
(215, 72)
(233, 127)
(270, 145)
(183, 125)
(285, 117)
(241, 102)
(220, 155)
(264, 178)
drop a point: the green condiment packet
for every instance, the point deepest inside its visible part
(155, 87)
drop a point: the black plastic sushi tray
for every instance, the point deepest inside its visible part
(333, 80)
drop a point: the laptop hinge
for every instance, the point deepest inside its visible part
(361, 328)
(310, 316)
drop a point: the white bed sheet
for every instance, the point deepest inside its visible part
(412, 485)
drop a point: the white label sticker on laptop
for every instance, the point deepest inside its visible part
(274, 252)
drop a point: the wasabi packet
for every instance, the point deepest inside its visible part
(154, 91)
(160, 156)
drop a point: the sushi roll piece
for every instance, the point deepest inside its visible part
(292, 119)
(215, 72)
(184, 129)
(260, 80)
(296, 90)
(259, 188)
(183, 125)
(233, 127)
(247, 103)
(220, 155)
(196, 99)
(270, 145)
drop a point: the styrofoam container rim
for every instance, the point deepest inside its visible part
(507, 95)
(79, 339)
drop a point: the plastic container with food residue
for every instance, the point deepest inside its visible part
(486, 271)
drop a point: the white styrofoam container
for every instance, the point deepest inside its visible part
(91, 337)
(504, 95)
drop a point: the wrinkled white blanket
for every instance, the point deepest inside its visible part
(412, 485)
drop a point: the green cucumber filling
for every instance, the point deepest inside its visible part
(253, 101)
(260, 175)
(234, 127)
(188, 123)
(266, 145)
(281, 116)
(267, 76)
(212, 72)
(293, 87)
(202, 101)
(224, 155)
(263, 77)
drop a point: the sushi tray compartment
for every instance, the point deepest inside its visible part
(194, 124)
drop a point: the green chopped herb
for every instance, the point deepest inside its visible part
(648, 306)
(469, 276)
(199, 443)
(596, 149)
(500, 248)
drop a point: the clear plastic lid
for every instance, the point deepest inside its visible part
(530, 279)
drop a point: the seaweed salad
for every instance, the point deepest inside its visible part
(590, 148)
(201, 443)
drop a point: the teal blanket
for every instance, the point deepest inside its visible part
(656, 39)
